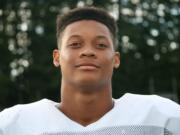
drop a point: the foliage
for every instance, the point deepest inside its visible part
(149, 46)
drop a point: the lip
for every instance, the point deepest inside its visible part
(87, 66)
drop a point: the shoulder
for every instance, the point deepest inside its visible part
(11, 115)
(161, 104)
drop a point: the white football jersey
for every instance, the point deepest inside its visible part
(131, 115)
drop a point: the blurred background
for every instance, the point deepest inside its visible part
(149, 39)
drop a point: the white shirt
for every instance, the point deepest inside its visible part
(132, 115)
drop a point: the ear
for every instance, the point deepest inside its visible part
(116, 60)
(56, 56)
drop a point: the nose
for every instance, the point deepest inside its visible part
(88, 52)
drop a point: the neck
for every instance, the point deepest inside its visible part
(85, 106)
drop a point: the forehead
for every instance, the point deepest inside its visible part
(85, 27)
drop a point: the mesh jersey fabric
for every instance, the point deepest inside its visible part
(131, 115)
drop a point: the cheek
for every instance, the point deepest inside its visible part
(108, 59)
(67, 60)
(65, 56)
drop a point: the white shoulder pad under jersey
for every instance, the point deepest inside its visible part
(19, 119)
(132, 115)
(150, 110)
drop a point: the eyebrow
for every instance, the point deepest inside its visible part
(101, 37)
(75, 36)
(97, 37)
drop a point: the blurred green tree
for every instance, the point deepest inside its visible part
(148, 38)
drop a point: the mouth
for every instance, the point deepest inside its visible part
(87, 66)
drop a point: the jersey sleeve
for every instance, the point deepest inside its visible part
(172, 110)
(7, 119)
(173, 126)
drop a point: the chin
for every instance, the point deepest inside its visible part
(90, 83)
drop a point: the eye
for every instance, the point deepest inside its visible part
(75, 45)
(102, 46)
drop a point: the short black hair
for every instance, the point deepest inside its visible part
(88, 13)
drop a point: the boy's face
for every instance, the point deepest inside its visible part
(87, 56)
